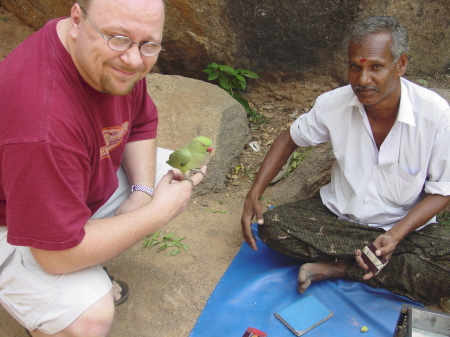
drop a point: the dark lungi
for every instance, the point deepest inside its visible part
(418, 269)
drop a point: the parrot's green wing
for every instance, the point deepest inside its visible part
(180, 159)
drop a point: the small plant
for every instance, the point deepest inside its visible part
(423, 82)
(230, 80)
(257, 118)
(169, 240)
(4, 18)
(215, 211)
(297, 157)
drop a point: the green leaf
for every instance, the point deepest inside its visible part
(164, 246)
(224, 82)
(240, 78)
(213, 75)
(247, 73)
(177, 240)
(175, 251)
(155, 235)
(227, 69)
(213, 65)
(238, 84)
(153, 243)
(168, 237)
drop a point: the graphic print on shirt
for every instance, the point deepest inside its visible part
(113, 138)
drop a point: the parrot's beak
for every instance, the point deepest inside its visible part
(209, 149)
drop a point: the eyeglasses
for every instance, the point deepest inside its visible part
(123, 43)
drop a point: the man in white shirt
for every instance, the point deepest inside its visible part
(390, 178)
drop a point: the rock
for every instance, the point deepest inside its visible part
(35, 13)
(306, 180)
(303, 37)
(189, 108)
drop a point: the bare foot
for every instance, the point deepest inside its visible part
(317, 271)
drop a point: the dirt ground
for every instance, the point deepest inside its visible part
(168, 293)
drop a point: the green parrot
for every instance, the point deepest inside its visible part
(190, 156)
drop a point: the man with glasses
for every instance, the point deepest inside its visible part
(79, 163)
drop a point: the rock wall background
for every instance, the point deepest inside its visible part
(282, 38)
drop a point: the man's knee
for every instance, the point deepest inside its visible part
(96, 321)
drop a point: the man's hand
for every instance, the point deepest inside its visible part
(274, 160)
(252, 208)
(140, 199)
(385, 244)
(423, 211)
(174, 191)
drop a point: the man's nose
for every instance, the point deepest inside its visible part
(132, 57)
(365, 77)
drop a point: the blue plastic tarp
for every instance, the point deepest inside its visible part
(258, 283)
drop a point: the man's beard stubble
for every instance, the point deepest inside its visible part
(107, 83)
(108, 86)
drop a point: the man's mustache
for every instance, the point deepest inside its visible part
(360, 87)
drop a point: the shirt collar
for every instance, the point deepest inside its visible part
(405, 111)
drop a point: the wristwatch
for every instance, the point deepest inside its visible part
(142, 188)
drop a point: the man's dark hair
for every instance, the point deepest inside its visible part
(377, 24)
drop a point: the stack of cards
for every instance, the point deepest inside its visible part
(375, 263)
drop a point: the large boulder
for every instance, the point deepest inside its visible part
(189, 108)
(309, 176)
(283, 37)
(35, 13)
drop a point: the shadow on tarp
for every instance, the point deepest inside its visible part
(256, 284)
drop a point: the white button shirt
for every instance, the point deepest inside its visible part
(378, 187)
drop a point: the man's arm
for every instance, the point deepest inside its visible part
(277, 156)
(106, 238)
(427, 208)
(139, 162)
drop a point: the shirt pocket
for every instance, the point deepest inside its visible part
(398, 186)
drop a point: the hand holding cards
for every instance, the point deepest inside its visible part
(375, 263)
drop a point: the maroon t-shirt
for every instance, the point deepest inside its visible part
(61, 142)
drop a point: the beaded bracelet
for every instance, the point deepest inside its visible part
(142, 188)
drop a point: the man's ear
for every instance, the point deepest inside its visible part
(75, 19)
(402, 64)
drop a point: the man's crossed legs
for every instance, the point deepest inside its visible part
(418, 269)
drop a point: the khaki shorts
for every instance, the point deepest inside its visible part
(50, 303)
(38, 300)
